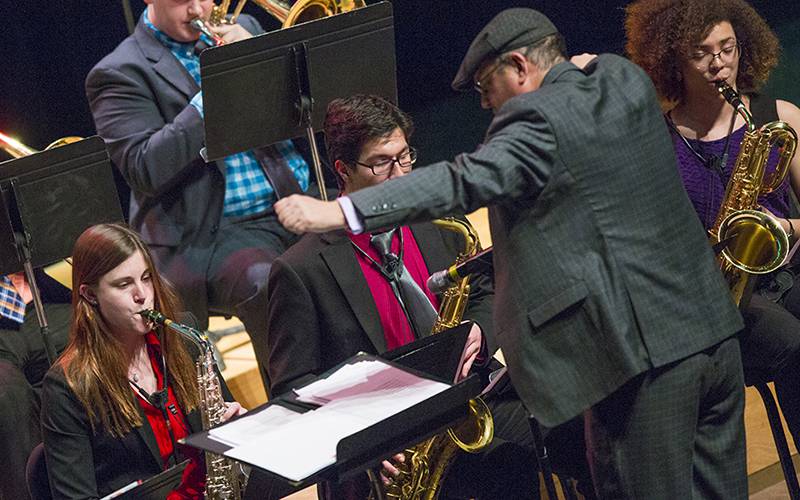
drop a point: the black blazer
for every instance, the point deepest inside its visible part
(83, 464)
(321, 311)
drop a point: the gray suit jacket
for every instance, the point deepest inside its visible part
(139, 96)
(602, 270)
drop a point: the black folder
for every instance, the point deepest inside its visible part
(366, 448)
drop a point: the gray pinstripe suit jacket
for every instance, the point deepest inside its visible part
(602, 269)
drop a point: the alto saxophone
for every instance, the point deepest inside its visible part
(753, 242)
(222, 473)
(425, 465)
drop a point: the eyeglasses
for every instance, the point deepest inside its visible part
(726, 55)
(480, 83)
(383, 167)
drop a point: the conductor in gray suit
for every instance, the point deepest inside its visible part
(608, 300)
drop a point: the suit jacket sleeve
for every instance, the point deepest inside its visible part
(294, 335)
(67, 439)
(514, 163)
(152, 154)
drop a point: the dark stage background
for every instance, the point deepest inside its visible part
(47, 48)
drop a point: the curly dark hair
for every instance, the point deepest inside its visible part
(659, 32)
(353, 121)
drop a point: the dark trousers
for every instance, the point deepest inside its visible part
(506, 469)
(23, 364)
(771, 351)
(673, 432)
(238, 273)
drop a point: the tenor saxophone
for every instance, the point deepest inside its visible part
(753, 242)
(222, 473)
(426, 464)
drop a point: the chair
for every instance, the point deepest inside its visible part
(36, 475)
(775, 425)
(543, 459)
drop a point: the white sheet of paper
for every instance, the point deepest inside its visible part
(242, 430)
(363, 394)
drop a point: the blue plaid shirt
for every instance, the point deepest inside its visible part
(247, 190)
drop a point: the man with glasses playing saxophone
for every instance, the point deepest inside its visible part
(210, 226)
(328, 300)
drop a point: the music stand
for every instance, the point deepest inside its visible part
(48, 199)
(277, 86)
(153, 488)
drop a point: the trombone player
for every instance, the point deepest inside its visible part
(210, 225)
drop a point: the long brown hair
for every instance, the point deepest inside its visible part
(94, 362)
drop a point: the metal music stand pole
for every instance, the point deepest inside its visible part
(23, 247)
(542, 457)
(305, 106)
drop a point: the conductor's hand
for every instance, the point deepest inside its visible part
(582, 60)
(389, 471)
(232, 32)
(304, 214)
(471, 350)
(232, 410)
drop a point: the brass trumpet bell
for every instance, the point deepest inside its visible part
(306, 10)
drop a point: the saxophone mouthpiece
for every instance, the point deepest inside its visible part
(151, 315)
(729, 94)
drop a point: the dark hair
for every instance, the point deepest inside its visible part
(547, 52)
(353, 121)
(661, 32)
(94, 362)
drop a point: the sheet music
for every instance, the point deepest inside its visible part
(353, 398)
(242, 430)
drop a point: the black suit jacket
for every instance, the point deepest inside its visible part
(139, 96)
(321, 311)
(86, 464)
(602, 269)
(83, 464)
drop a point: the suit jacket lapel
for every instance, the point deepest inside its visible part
(146, 434)
(164, 63)
(338, 254)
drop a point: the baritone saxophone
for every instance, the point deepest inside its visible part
(752, 241)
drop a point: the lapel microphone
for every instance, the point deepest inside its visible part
(158, 398)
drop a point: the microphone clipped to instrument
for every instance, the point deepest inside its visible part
(481, 262)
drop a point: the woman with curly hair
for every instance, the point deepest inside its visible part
(124, 391)
(687, 46)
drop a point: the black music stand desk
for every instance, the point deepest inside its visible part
(277, 85)
(368, 447)
(47, 200)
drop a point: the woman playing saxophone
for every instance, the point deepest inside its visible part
(124, 391)
(690, 48)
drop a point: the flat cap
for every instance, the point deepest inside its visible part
(509, 30)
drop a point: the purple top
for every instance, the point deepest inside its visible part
(706, 186)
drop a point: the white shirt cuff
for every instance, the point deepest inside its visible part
(197, 102)
(351, 215)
